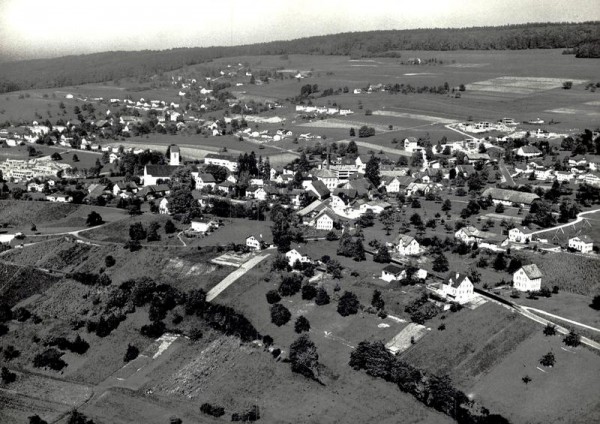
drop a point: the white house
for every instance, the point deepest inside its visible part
(293, 256)
(458, 287)
(406, 245)
(392, 273)
(519, 235)
(201, 225)
(254, 243)
(325, 220)
(59, 197)
(221, 160)
(582, 243)
(411, 145)
(528, 151)
(391, 184)
(528, 278)
(328, 177)
(204, 180)
(163, 206)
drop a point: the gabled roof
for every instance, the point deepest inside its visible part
(324, 173)
(530, 149)
(403, 240)
(160, 171)
(206, 178)
(510, 195)
(327, 212)
(320, 188)
(532, 271)
(455, 279)
(584, 238)
(218, 156)
(471, 231)
(393, 269)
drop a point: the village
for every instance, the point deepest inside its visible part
(208, 219)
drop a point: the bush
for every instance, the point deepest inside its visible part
(549, 330)
(280, 315)
(348, 304)
(131, 353)
(3, 329)
(36, 419)
(21, 314)
(50, 358)
(548, 360)
(153, 330)
(7, 376)
(78, 418)
(109, 261)
(572, 339)
(212, 410)
(301, 325)
(273, 297)
(10, 353)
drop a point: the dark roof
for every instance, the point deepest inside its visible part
(393, 269)
(160, 171)
(320, 188)
(174, 148)
(206, 178)
(455, 279)
(218, 156)
(532, 271)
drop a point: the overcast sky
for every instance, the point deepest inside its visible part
(42, 28)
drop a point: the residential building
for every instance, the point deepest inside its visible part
(458, 287)
(469, 235)
(528, 278)
(392, 273)
(583, 243)
(406, 245)
(294, 255)
(519, 235)
(226, 161)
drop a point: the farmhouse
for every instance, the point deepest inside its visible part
(406, 245)
(257, 242)
(519, 235)
(528, 278)
(317, 187)
(469, 235)
(509, 197)
(392, 273)
(204, 180)
(458, 287)
(583, 243)
(325, 220)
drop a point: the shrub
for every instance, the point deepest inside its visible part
(10, 353)
(50, 358)
(549, 330)
(273, 297)
(131, 353)
(572, 339)
(213, 410)
(548, 360)
(301, 325)
(8, 376)
(153, 330)
(280, 315)
(348, 304)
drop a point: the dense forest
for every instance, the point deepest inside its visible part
(99, 67)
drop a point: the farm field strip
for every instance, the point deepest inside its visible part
(519, 85)
(428, 118)
(344, 124)
(404, 339)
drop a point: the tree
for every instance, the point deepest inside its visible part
(78, 418)
(131, 353)
(549, 330)
(170, 227)
(595, 303)
(372, 171)
(180, 200)
(572, 339)
(447, 205)
(348, 304)
(304, 357)
(548, 360)
(273, 297)
(440, 263)
(36, 419)
(137, 231)
(280, 315)
(377, 300)
(567, 85)
(500, 262)
(5, 312)
(75, 158)
(109, 261)
(56, 156)
(93, 219)
(153, 231)
(281, 229)
(352, 132)
(7, 376)
(322, 297)
(387, 219)
(500, 208)
(366, 131)
(301, 325)
(382, 255)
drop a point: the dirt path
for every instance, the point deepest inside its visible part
(231, 278)
(539, 311)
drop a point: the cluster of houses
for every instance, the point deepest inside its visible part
(323, 110)
(580, 169)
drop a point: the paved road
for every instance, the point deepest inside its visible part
(580, 324)
(507, 177)
(231, 278)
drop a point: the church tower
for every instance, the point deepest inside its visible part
(175, 157)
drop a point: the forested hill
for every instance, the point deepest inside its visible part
(72, 70)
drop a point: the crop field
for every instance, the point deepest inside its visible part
(519, 85)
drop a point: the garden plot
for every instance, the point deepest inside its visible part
(402, 340)
(519, 85)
